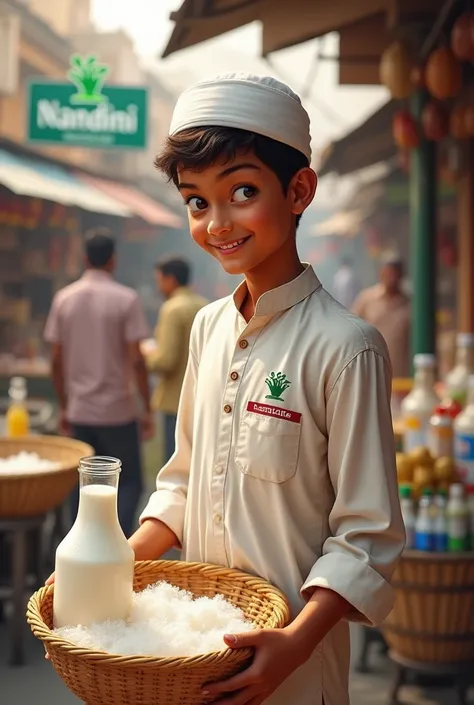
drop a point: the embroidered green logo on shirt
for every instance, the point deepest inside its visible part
(277, 384)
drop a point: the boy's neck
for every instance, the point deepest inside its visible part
(271, 274)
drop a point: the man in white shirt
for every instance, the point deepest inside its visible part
(345, 286)
(285, 461)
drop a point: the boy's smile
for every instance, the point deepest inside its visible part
(239, 213)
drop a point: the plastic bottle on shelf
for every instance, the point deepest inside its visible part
(440, 433)
(17, 420)
(457, 518)
(440, 524)
(94, 562)
(424, 525)
(464, 439)
(456, 379)
(408, 514)
(419, 404)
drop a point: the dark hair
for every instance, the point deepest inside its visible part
(175, 267)
(199, 147)
(99, 246)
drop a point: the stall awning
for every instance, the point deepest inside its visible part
(137, 202)
(370, 143)
(30, 177)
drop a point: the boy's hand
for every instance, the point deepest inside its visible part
(276, 657)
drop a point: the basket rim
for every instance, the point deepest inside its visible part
(42, 632)
(29, 442)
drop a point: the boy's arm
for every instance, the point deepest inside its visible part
(367, 529)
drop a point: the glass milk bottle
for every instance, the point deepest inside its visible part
(456, 380)
(94, 562)
(464, 439)
(419, 404)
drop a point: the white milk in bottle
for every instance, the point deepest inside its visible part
(456, 379)
(94, 562)
(464, 440)
(419, 404)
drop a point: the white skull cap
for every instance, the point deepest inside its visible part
(259, 104)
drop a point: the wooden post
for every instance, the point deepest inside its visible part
(423, 180)
(466, 241)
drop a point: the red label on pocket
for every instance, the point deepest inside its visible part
(275, 411)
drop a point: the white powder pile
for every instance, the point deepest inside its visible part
(165, 621)
(25, 463)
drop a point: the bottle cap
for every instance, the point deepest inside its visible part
(424, 360)
(465, 340)
(405, 491)
(441, 411)
(427, 492)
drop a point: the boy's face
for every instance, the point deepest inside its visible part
(239, 213)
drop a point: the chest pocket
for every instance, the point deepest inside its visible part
(267, 448)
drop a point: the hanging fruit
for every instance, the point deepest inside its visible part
(405, 130)
(443, 74)
(462, 37)
(457, 123)
(395, 70)
(435, 121)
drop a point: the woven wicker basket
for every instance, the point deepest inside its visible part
(99, 678)
(35, 493)
(433, 617)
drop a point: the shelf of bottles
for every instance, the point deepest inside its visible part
(436, 466)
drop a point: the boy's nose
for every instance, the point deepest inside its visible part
(219, 226)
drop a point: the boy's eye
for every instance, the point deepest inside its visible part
(196, 204)
(243, 193)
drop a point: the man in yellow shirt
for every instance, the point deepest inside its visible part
(169, 357)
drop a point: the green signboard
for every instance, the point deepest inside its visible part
(87, 113)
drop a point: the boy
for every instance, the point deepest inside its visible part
(285, 463)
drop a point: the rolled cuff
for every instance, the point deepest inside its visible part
(168, 507)
(369, 594)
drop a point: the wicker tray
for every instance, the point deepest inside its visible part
(433, 617)
(99, 678)
(35, 493)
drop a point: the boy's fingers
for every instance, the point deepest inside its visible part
(50, 580)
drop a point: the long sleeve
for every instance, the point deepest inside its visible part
(169, 341)
(367, 532)
(168, 502)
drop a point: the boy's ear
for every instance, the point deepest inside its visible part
(302, 189)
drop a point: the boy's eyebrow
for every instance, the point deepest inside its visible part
(223, 174)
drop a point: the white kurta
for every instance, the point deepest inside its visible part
(285, 461)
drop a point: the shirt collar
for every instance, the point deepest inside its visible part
(96, 274)
(283, 297)
(179, 291)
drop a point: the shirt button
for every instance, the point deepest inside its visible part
(227, 408)
(234, 375)
(244, 344)
(219, 471)
(217, 518)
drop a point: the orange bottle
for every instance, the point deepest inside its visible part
(17, 416)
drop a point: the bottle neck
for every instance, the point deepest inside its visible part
(424, 379)
(98, 488)
(465, 358)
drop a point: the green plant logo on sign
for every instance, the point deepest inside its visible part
(277, 384)
(88, 75)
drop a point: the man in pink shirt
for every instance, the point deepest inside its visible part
(95, 327)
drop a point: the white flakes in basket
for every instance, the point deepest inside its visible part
(25, 463)
(165, 621)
